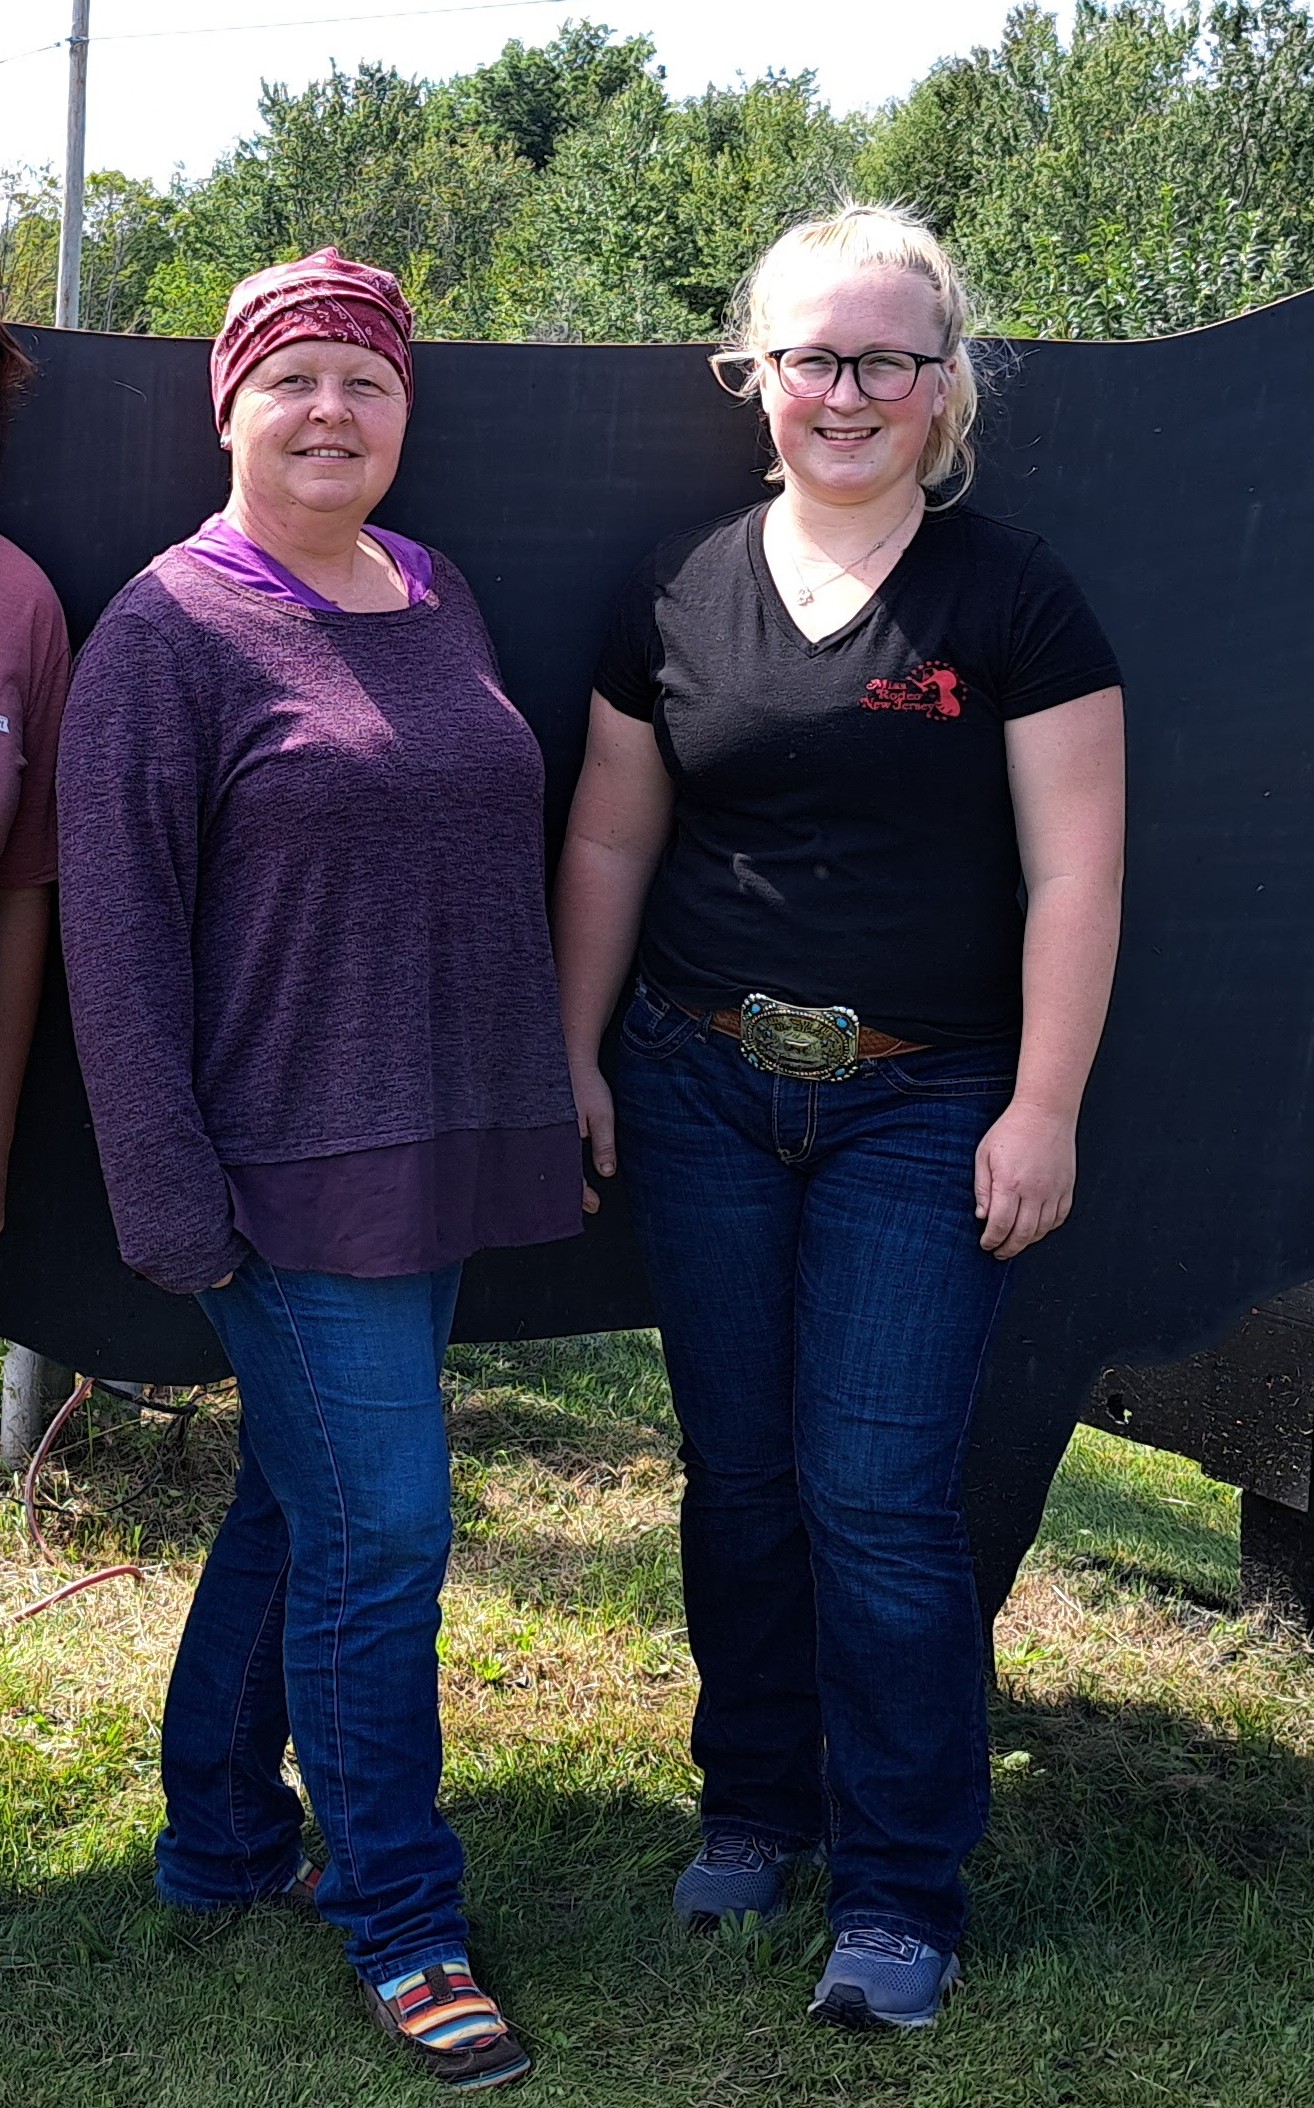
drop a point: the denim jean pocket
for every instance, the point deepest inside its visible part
(954, 1072)
(654, 1026)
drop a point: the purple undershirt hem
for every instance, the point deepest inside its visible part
(414, 1207)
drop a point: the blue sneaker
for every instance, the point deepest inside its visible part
(731, 1876)
(880, 1979)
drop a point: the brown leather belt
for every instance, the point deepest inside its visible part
(872, 1045)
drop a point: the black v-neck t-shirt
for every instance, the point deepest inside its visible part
(843, 826)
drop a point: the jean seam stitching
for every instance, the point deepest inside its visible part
(982, 1799)
(241, 1704)
(965, 1087)
(986, 1344)
(672, 1044)
(799, 1155)
(342, 1593)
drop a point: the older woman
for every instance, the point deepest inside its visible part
(33, 681)
(830, 736)
(302, 875)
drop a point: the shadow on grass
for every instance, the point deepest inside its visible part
(1136, 1817)
(1123, 1816)
(1128, 1855)
(594, 1378)
(489, 1429)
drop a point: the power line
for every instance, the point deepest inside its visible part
(11, 58)
(392, 14)
(228, 29)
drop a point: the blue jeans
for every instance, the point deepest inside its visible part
(825, 1309)
(318, 1610)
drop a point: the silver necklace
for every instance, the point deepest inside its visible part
(807, 594)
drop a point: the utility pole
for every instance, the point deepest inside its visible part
(31, 1386)
(70, 225)
(31, 1391)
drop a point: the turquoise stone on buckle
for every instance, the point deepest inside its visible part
(811, 1046)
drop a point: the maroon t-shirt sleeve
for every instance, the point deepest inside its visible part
(34, 667)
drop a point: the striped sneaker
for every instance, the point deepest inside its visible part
(457, 2032)
(880, 1979)
(299, 1892)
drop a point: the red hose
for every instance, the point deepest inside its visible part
(42, 1451)
(71, 1588)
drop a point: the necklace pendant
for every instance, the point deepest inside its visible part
(805, 596)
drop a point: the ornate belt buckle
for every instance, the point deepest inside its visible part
(811, 1046)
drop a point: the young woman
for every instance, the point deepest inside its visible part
(302, 854)
(33, 681)
(830, 736)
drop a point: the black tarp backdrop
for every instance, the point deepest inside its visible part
(1172, 475)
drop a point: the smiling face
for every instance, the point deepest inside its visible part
(841, 448)
(317, 425)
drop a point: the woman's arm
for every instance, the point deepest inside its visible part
(130, 781)
(24, 933)
(1066, 775)
(619, 822)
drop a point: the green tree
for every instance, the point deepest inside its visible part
(1153, 174)
(748, 163)
(335, 164)
(594, 252)
(421, 179)
(470, 188)
(29, 244)
(528, 99)
(126, 235)
(644, 221)
(1259, 143)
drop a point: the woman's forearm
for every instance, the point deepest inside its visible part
(1067, 972)
(600, 894)
(24, 935)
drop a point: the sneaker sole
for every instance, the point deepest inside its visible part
(431, 2060)
(845, 2006)
(709, 1921)
(510, 2077)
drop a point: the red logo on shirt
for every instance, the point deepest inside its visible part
(932, 689)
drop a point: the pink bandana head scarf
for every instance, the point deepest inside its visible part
(324, 295)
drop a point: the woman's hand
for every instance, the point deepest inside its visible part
(620, 818)
(1026, 1168)
(222, 1284)
(597, 1126)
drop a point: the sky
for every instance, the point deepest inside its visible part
(159, 101)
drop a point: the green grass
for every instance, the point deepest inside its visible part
(1144, 1905)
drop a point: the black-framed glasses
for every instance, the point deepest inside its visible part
(882, 375)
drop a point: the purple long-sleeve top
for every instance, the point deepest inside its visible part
(303, 918)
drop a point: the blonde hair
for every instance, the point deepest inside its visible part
(863, 237)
